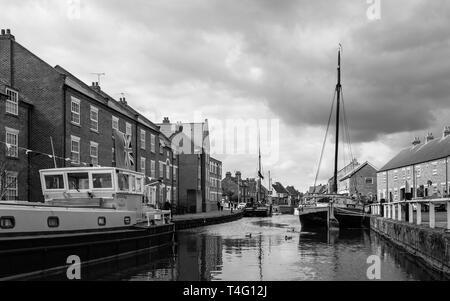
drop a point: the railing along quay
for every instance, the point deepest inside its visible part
(393, 210)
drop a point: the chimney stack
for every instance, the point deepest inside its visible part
(95, 86)
(416, 141)
(228, 175)
(166, 120)
(238, 175)
(429, 137)
(446, 131)
(6, 34)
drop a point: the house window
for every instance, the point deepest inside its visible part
(11, 186)
(152, 169)
(418, 171)
(143, 165)
(161, 169)
(128, 129)
(94, 153)
(152, 145)
(161, 147)
(75, 109)
(168, 171)
(142, 139)
(12, 143)
(12, 102)
(94, 119)
(369, 181)
(115, 123)
(174, 172)
(168, 194)
(174, 193)
(75, 150)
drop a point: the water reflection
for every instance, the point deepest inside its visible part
(274, 249)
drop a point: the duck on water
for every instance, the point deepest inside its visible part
(95, 213)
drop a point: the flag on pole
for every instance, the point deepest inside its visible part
(123, 150)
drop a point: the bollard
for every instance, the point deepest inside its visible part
(432, 216)
(411, 213)
(419, 213)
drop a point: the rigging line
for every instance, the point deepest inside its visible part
(346, 125)
(324, 141)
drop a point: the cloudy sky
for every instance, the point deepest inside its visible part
(247, 61)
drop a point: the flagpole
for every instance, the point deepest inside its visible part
(53, 152)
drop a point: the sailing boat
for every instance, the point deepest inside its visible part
(260, 208)
(333, 210)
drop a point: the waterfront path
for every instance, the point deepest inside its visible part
(194, 220)
(212, 214)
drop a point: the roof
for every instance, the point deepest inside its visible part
(437, 148)
(358, 168)
(279, 188)
(102, 97)
(291, 190)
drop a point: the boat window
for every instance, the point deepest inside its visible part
(78, 181)
(102, 221)
(7, 222)
(123, 181)
(102, 180)
(133, 183)
(53, 222)
(54, 182)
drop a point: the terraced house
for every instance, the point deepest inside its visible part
(80, 124)
(421, 170)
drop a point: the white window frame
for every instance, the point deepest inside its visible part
(153, 143)
(168, 170)
(152, 169)
(143, 133)
(13, 149)
(94, 158)
(371, 181)
(77, 102)
(12, 175)
(94, 121)
(143, 161)
(115, 121)
(128, 129)
(78, 140)
(12, 102)
(161, 169)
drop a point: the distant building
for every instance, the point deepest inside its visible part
(248, 188)
(420, 170)
(293, 196)
(193, 146)
(215, 178)
(341, 173)
(360, 182)
(280, 195)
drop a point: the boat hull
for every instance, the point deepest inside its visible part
(316, 218)
(38, 255)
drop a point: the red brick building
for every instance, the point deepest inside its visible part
(15, 121)
(81, 120)
(421, 170)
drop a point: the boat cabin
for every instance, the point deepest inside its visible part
(106, 187)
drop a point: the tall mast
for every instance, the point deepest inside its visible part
(338, 92)
(259, 166)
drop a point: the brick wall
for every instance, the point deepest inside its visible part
(17, 165)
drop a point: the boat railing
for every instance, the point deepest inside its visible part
(394, 210)
(156, 217)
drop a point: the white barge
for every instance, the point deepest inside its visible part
(95, 213)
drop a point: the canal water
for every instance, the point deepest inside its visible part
(271, 249)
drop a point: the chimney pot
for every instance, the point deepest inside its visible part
(3, 32)
(429, 137)
(8, 31)
(446, 131)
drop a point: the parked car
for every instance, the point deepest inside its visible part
(241, 206)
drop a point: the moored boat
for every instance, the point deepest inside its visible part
(94, 213)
